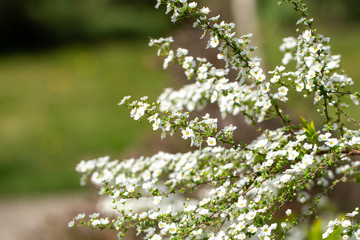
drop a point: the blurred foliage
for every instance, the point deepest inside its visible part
(327, 12)
(60, 106)
(28, 24)
(335, 11)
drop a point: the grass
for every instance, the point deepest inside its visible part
(60, 107)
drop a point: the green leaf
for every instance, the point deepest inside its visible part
(310, 131)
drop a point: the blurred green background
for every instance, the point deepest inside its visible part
(64, 65)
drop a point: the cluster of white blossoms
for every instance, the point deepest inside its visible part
(345, 224)
(226, 189)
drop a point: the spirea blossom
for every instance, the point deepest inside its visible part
(225, 187)
(211, 141)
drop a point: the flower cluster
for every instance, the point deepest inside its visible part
(346, 224)
(226, 189)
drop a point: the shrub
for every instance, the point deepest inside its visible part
(229, 189)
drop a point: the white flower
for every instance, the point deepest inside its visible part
(357, 234)
(162, 225)
(299, 87)
(266, 104)
(307, 35)
(241, 236)
(288, 212)
(265, 231)
(95, 222)
(250, 215)
(156, 124)
(104, 221)
(80, 216)
(300, 20)
(186, 133)
(240, 225)
(331, 142)
(317, 98)
(309, 84)
(156, 237)
(94, 215)
(309, 61)
(285, 178)
(260, 77)
(257, 73)
(204, 201)
(275, 79)
(211, 141)
(292, 154)
(261, 235)
(327, 233)
(324, 137)
(137, 113)
(281, 98)
(310, 74)
(252, 229)
(317, 67)
(197, 232)
(205, 10)
(265, 87)
(282, 91)
(301, 137)
(130, 188)
(168, 59)
(188, 62)
(189, 208)
(222, 191)
(261, 143)
(143, 215)
(288, 43)
(147, 185)
(157, 200)
(287, 58)
(345, 223)
(241, 203)
(333, 223)
(214, 41)
(307, 160)
(123, 100)
(352, 214)
(154, 215)
(203, 211)
(172, 228)
(192, 5)
(354, 99)
(307, 146)
(152, 118)
(180, 52)
(71, 224)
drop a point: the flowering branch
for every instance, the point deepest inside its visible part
(225, 189)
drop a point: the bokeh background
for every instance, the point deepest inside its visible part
(64, 65)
